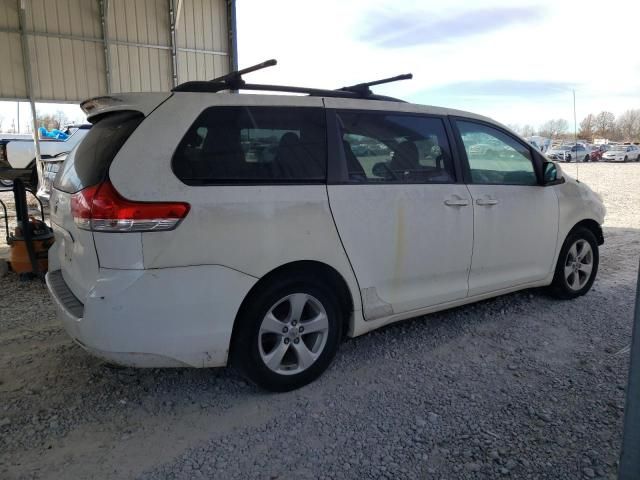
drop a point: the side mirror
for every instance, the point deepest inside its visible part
(550, 174)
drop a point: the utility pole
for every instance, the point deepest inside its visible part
(630, 456)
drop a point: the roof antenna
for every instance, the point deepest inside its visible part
(575, 134)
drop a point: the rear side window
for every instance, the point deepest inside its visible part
(87, 164)
(236, 145)
(382, 147)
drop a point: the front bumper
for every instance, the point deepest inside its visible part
(171, 317)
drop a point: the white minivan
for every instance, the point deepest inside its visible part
(201, 228)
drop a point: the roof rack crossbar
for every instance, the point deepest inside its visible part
(210, 87)
(365, 90)
(234, 79)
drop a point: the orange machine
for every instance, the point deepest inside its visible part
(42, 239)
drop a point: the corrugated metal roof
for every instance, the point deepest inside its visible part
(70, 60)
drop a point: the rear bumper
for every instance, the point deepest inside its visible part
(172, 317)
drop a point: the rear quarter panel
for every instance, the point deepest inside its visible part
(253, 228)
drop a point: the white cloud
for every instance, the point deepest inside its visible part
(588, 45)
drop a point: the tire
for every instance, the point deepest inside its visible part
(572, 278)
(6, 183)
(270, 327)
(586, 158)
(625, 159)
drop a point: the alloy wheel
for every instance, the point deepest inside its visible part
(293, 334)
(578, 265)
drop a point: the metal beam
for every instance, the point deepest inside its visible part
(104, 21)
(111, 41)
(172, 41)
(26, 59)
(233, 35)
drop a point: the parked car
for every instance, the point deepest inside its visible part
(621, 153)
(559, 153)
(174, 247)
(18, 156)
(570, 153)
(595, 153)
(50, 167)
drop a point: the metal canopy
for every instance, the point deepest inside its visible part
(70, 50)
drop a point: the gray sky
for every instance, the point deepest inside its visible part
(515, 61)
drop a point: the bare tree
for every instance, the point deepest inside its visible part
(554, 128)
(628, 125)
(587, 127)
(527, 131)
(604, 124)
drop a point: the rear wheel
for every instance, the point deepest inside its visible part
(287, 334)
(577, 265)
(586, 158)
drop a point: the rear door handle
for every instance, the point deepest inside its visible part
(456, 202)
(486, 201)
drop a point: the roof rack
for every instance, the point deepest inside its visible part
(234, 81)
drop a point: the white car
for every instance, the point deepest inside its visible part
(177, 244)
(570, 153)
(18, 155)
(622, 153)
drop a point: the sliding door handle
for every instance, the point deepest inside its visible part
(456, 202)
(486, 202)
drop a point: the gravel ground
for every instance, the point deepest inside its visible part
(521, 386)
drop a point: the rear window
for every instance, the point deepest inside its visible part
(87, 164)
(248, 145)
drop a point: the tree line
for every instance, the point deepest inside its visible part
(625, 128)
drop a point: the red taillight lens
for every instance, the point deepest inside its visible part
(102, 209)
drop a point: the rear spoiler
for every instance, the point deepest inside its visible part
(144, 103)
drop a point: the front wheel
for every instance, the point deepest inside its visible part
(287, 334)
(625, 158)
(577, 265)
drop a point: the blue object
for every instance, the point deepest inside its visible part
(55, 134)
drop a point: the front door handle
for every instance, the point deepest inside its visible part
(456, 202)
(486, 201)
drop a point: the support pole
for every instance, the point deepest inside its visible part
(104, 21)
(27, 68)
(233, 35)
(172, 39)
(630, 456)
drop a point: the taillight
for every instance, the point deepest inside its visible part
(102, 209)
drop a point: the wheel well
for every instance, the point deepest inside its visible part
(592, 225)
(312, 269)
